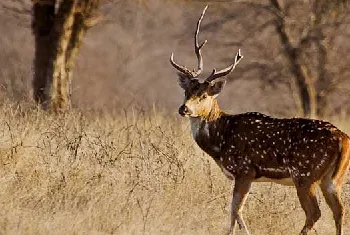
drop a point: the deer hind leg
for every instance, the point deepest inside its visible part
(240, 194)
(308, 201)
(332, 195)
(331, 185)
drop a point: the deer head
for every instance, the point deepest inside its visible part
(200, 96)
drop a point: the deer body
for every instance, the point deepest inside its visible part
(277, 150)
(253, 147)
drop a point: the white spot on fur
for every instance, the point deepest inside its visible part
(227, 173)
(331, 188)
(216, 149)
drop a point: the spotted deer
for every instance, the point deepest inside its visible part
(253, 147)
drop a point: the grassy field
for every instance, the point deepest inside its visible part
(132, 173)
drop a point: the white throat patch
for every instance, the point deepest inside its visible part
(196, 125)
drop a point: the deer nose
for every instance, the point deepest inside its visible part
(183, 110)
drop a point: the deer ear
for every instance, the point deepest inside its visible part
(216, 88)
(184, 81)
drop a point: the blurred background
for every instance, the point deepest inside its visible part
(296, 54)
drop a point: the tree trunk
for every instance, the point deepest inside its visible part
(58, 37)
(42, 24)
(307, 91)
(58, 84)
(78, 33)
(305, 84)
(325, 86)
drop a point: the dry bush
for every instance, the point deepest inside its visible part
(135, 172)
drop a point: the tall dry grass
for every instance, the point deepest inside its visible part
(135, 172)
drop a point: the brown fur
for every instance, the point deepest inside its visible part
(343, 162)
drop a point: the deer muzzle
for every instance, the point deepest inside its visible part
(184, 110)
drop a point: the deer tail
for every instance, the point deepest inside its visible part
(343, 162)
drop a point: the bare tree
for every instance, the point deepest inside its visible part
(309, 54)
(307, 33)
(59, 27)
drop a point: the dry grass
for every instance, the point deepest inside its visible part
(133, 173)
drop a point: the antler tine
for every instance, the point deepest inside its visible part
(197, 47)
(216, 74)
(182, 69)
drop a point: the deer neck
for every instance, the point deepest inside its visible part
(213, 114)
(202, 126)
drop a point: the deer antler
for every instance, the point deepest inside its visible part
(197, 47)
(197, 50)
(216, 74)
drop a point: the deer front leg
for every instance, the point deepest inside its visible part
(240, 193)
(308, 201)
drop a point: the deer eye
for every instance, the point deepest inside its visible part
(203, 96)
